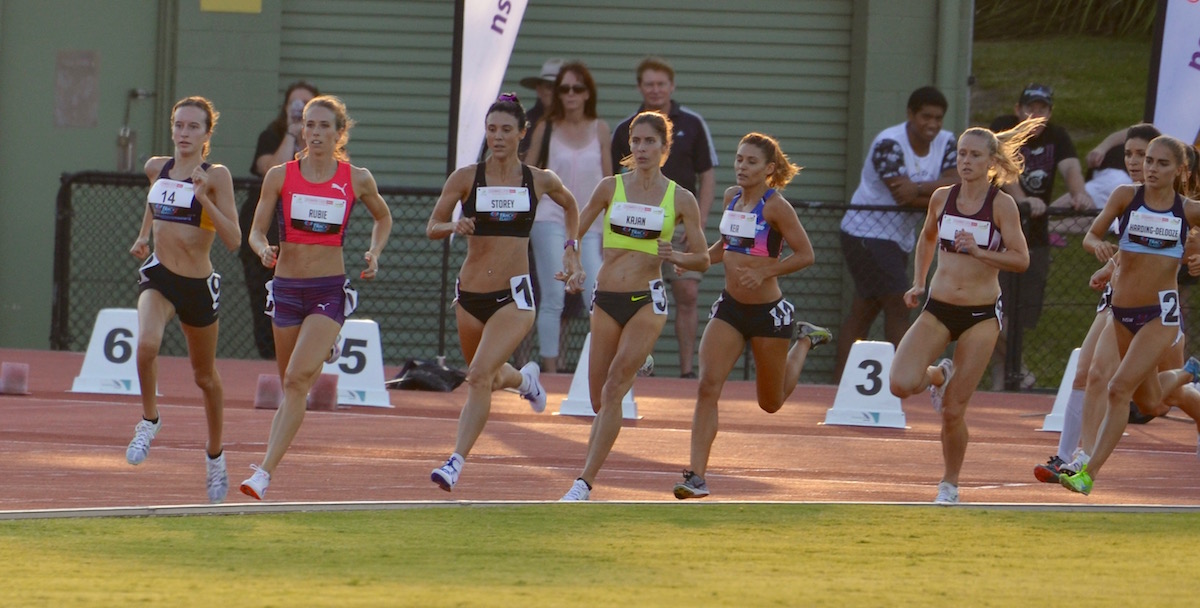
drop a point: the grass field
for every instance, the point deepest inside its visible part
(605, 555)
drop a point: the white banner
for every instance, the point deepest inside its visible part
(1176, 111)
(489, 32)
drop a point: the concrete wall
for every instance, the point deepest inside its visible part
(34, 152)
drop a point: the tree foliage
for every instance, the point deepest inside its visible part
(1009, 19)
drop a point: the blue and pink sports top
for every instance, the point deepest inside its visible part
(314, 214)
(172, 200)
(748, 232)
(1144, 230)
(980, 224)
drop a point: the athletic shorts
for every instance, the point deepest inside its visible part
(195, 300)
(622, 305)
(289, 300)
(958, 319)
(770, 320)
(879, 266)
(1137, 317)
(483, 305)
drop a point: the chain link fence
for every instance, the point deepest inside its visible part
(98, 215)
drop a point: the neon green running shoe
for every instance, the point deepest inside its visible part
(1077, 482)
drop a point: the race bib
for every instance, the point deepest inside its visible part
(658, 295)
(521, 291)
(953, 224)
(501, 199)
(637, 221)
(737, 224)
(1154, 230)
(1168, 303)
(317, 213)
(172, 193)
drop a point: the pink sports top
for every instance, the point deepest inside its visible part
(314, 214)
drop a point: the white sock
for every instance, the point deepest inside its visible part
(526, 385)
(1072, 426)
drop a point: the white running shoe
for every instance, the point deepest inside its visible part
(579, 492)
(647, 368)
(947, 494)
(335, 352)
(536, 395)
(446, 475)
(256, 486)
(937, 393)
(217, 479)
(143, 434)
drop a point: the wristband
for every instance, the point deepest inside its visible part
(571, 244)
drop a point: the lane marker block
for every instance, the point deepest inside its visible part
(269, 392)
(323, 396)
(864, 397)
(110, 365)
(14, 378)
(578, 401)
(1054, 420)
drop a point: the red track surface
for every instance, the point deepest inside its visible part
(66, 450)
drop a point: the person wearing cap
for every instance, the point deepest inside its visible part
(543, 85)
(1051, 151)
(690, 164)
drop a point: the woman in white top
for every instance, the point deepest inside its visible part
(578, 152)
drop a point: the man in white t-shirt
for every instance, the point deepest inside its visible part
(906, 163)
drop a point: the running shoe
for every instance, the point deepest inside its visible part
(216, 479)
(446, 475)
(1193, 367)
(335, 352)
(947, 494)
(1077, 482)
(536, 395)
(692, 486)
(143, 434)
(1048, 473)
(816, 335)
(937, 393)
(579, 492)
(647, 368)
(256, 486)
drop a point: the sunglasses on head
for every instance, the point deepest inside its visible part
(572, 88)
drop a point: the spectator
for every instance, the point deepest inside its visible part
(907, 162)
(277, 144)
(543, 85)
(574, 144)
(690, 164)
(1050, 149)
(1105, 171)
